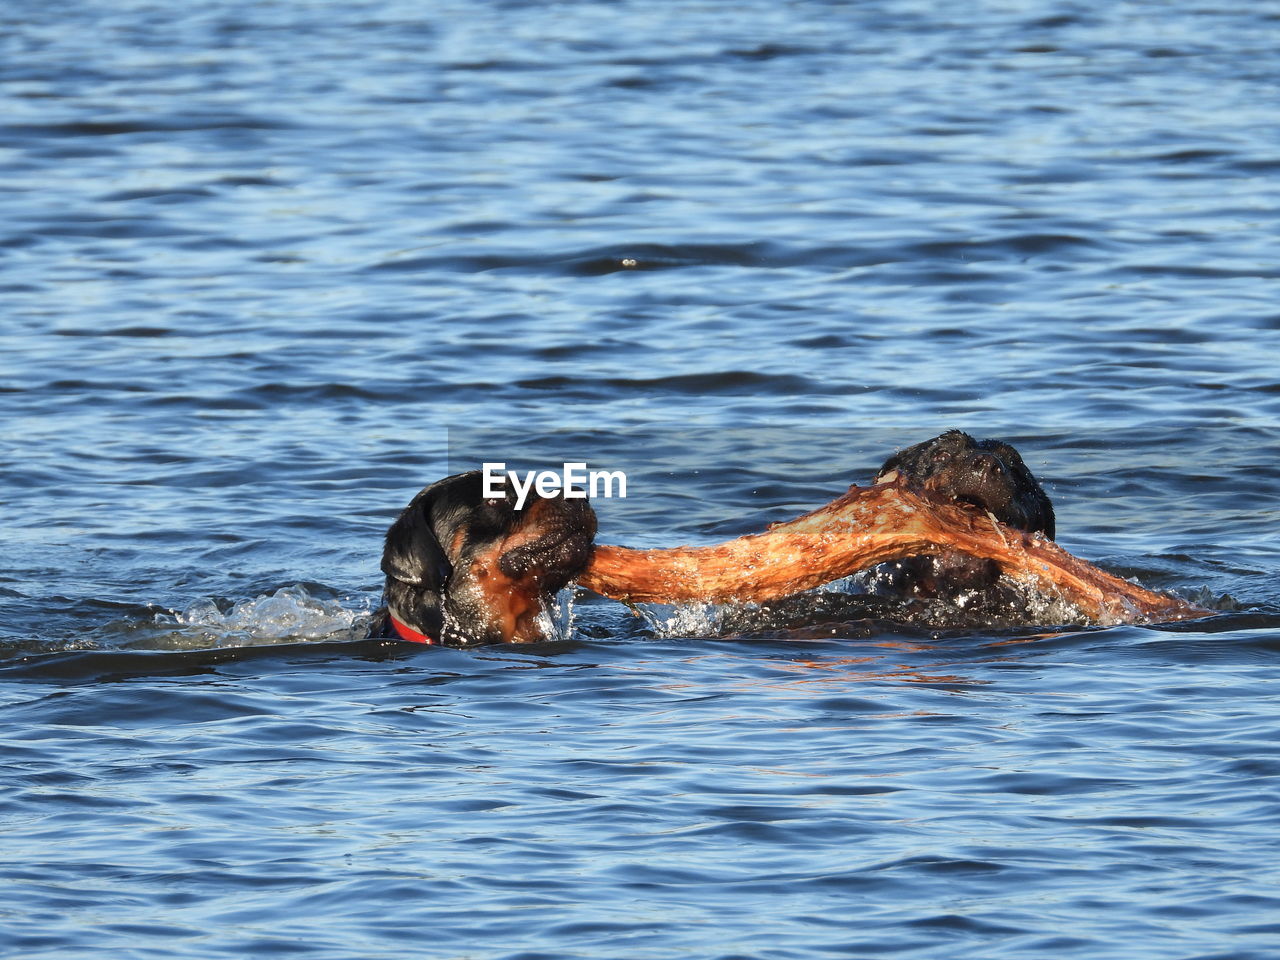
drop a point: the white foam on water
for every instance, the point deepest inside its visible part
(289, 615)
(682, 620)
(558, 620)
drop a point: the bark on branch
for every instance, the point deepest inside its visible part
(867, 526)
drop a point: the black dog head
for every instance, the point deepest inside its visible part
(988, 474)
(463, 568)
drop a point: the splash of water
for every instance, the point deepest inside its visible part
(289, 615)
(682, 620)
(855, 600)
(559, 621)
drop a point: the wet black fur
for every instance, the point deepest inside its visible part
(987, 474)
(422, 581)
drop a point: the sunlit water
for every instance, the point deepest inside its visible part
(269, 268)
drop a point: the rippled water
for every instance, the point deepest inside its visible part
(269, 268)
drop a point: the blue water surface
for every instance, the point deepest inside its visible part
(268, 268)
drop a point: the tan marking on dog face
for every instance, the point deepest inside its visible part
(455, 545)
(505, 607)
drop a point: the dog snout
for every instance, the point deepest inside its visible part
(990, 467)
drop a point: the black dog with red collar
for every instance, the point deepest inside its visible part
(462, 568)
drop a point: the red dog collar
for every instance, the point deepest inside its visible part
(406, 632)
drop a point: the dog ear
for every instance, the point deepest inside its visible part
(1048, 518)
(412, 553)
(888, 467)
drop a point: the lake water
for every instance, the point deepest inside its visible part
(269, 268)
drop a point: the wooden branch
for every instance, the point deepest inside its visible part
(867, 526)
